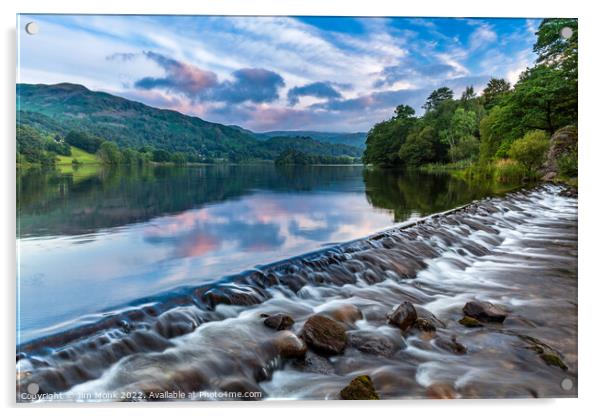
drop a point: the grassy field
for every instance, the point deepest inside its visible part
(80, 155)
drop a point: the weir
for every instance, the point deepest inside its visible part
(518, 251)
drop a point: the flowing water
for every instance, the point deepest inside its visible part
(169, 294)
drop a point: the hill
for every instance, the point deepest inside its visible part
(59, 109)
(350, 139)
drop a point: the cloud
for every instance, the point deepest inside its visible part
(256, 85)
(179, 77)
(315, 89)
(249, 84)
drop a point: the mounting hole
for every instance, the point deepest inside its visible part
(33, 388)
(566, 32)
(566, 384)
(32, 28)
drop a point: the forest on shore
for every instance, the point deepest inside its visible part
(504, 132)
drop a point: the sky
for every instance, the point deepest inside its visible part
(340, 74)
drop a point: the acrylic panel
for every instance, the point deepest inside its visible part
(308, 208)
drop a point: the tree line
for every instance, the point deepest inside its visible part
(507, 124)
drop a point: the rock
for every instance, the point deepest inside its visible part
(470, 322)
(346, 313)
(484, 311)
(314, 363)
(279, 321)
(549, 177)
(551, 358)
(451, 345)
(548, 354)
(440, 391)
(403, 316)
(425, 314)
(289, 345)
(423, 325)
(360, 388)
(563, 142)
(324, 335)
(371, 343)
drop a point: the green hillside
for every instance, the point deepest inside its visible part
(57, 110)
(350, 139)
(78, 155)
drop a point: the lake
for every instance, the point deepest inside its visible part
(92, 240)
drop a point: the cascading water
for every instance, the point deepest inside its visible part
(518, 252)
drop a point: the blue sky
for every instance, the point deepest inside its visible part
(275, 73)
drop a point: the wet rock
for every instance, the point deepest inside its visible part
(403, 316)
(484, 311)
(371, 343)
(233, 295)
(324, 335)
(279, 321)
(451, 345)
(289, 345)
(360, 388)
(440, 391)
(469, 322)
(551, 358)
(430, 317)
(314, 363)
(346, 313)
(549, 355)
(424, 325)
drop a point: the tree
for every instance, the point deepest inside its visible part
(466, 148)
(160, 155)
(553, 49)
(463, 123)
(495, 90)
(109, 153)
(530, 151)
(418, 149)
(437, 97)
(468, 94)
(385, 138)
(84, 141)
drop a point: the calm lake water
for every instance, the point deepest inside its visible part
(93, 240)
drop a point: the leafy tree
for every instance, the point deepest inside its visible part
(109, 153)
(463, 123)
(468, 94)
(496, 89)
(84, 141)
(179, 158)
(466, 148)
(160, 155)
(437, 97)
(530, 151)
(553, 49)
(419, 148)
(385, 138)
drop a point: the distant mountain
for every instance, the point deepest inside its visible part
(350, 139)
(61, 108)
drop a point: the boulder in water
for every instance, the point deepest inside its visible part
(279, 321)
(360, 388)
(452, 345)
(314, 363)
(324, 335)
(424, 325)
(370, 343)
(469, 322)
(289, 345)
(346, 313)
(403, 316)
(484, 311)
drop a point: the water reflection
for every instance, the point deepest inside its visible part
(94, 239)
